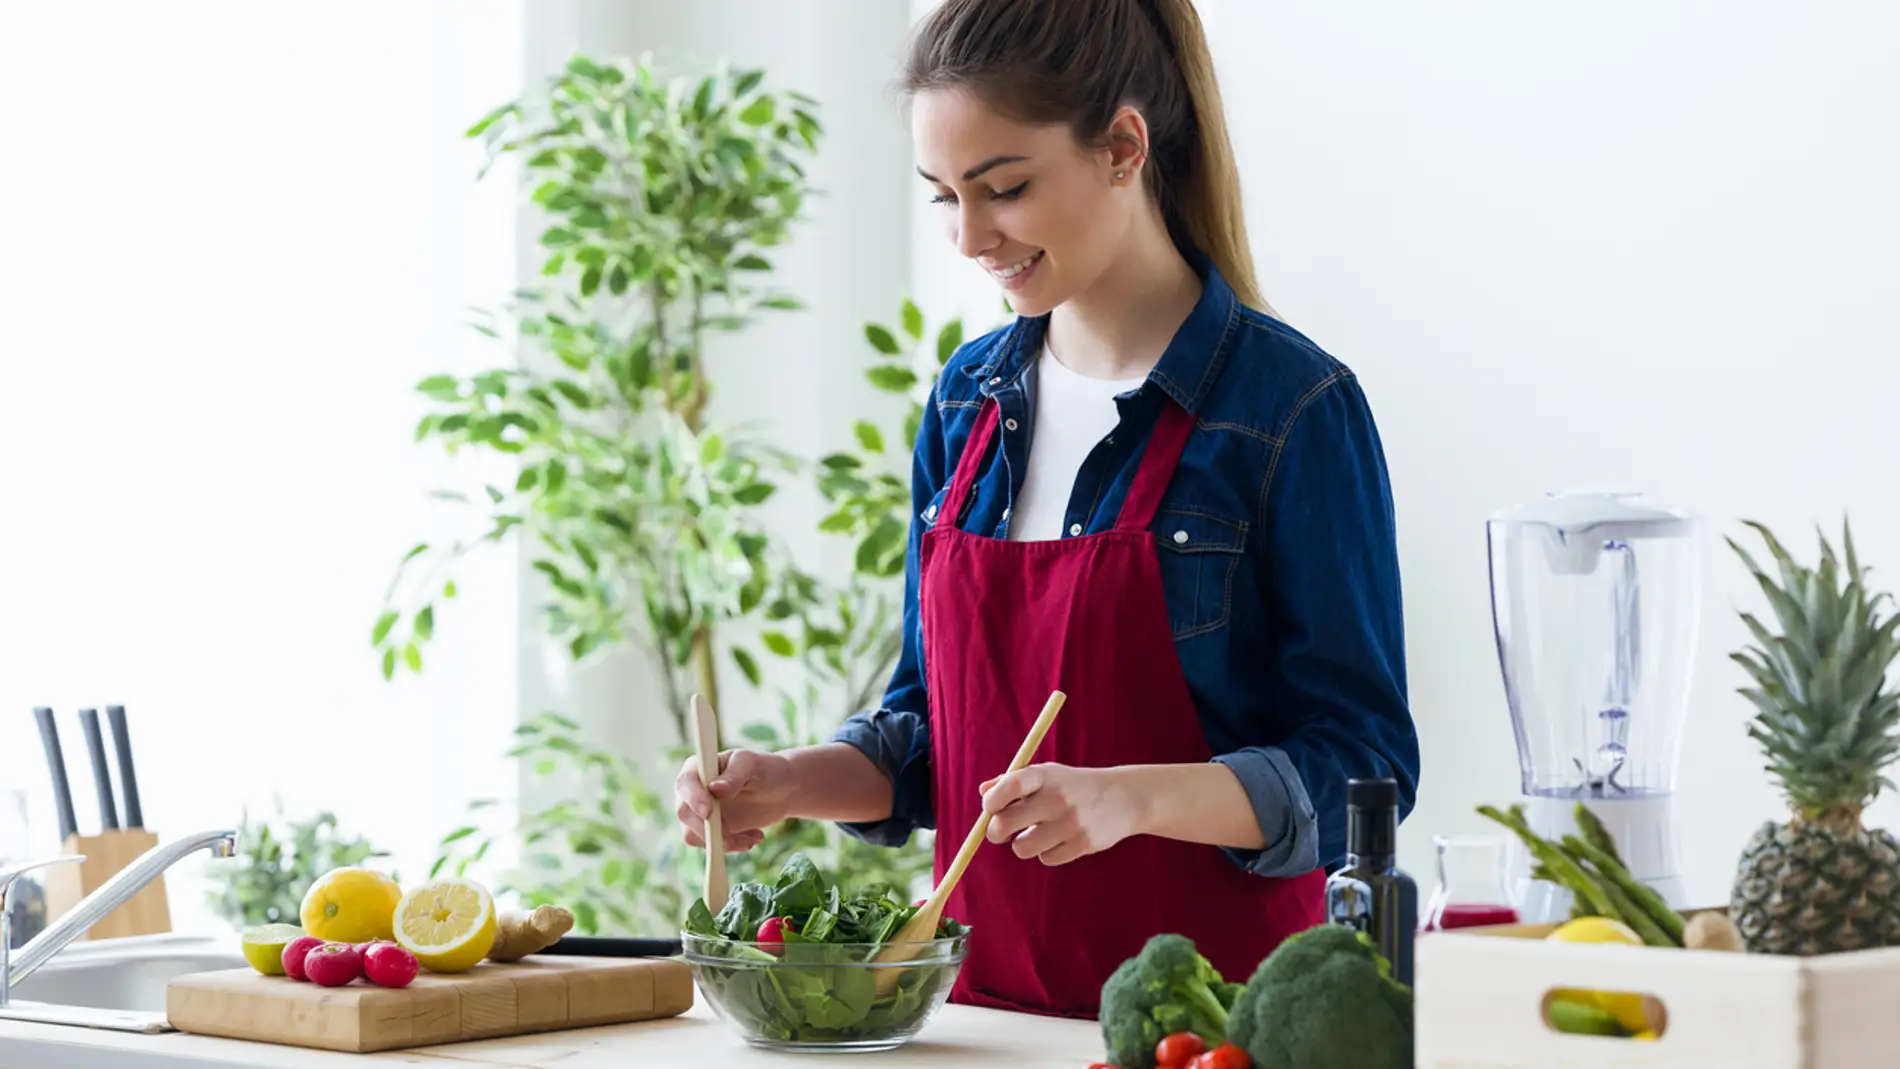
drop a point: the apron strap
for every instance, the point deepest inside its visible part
(1165, 444)
(968, 465)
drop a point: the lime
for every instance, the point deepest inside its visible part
(264, 946)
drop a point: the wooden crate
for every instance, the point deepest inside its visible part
(1480, 995)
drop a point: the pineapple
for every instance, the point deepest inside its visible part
(1820, 883)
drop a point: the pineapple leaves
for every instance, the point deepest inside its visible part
(1825, 720)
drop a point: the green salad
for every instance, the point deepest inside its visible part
(788, 960)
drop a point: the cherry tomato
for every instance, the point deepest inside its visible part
(1179, 1050)
(1225, 1056)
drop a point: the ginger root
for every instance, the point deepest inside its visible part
(519, 934)
(1711, 931)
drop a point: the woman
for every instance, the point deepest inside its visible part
(1145, 492)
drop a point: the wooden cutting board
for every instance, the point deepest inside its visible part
(492, 999)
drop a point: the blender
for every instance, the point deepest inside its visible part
(1596, 601)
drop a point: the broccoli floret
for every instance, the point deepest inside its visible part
(1324, 999)
(1167, 988)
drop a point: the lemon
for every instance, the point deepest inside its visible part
(264, 946)
(1595, 930)
(351, 905)
(448, 924)
(1630, 1010)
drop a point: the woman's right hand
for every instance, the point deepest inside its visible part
(754, 791)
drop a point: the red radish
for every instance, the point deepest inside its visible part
(772, 933)
(333, 964)
(388, 965)
(294, 953)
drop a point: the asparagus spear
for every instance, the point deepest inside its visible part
(1595, 833)
(1645, 900)
(1561, 865)
(1629, 913)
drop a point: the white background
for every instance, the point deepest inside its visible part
(1648, 245)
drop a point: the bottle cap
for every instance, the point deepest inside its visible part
(1372, 793)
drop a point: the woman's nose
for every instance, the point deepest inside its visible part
(974, 235)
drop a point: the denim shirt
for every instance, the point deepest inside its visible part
(1283, 597)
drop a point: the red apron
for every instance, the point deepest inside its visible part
(1005, 623)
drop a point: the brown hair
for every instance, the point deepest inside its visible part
(1077, 62)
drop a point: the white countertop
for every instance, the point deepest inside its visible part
(957, 1035)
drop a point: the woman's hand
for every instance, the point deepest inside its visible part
(1056, 813)
(754, 791)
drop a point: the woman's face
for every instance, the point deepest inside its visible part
(1030, 204)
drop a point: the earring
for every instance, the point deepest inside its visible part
(1119, 175)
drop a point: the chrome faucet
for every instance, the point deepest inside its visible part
(96, 906)
(7, 876)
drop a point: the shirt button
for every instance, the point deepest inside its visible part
(1010, 423)
(996, 382)
(1075, 528)
(1180, 537)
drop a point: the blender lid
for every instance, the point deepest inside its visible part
(1604, 514)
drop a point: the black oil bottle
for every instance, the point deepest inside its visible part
(1371, 893)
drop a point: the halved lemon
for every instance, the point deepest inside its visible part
(448, 924)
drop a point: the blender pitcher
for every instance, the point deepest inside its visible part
(1596, 602)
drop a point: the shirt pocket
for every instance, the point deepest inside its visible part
(1199, 554)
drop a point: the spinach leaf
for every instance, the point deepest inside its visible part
(747, 907)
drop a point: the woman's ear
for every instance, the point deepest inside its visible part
(1127, 146)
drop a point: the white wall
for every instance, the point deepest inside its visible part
(235, 236)
(1649, 247)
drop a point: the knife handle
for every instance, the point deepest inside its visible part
(600, 946)
(128, 780)
(101, 775)
(56, 768)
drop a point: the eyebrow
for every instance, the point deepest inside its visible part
(979, 170)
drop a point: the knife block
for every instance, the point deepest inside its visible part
(146, 913)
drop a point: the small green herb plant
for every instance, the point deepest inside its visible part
(275, 862)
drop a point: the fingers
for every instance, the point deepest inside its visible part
(1075, 845)
(737, 769)
(691, 794)
(1041, 808)
(736, 843)
(1000, 793)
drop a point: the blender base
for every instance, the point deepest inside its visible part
(1642, 826)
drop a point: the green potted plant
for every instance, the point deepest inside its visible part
(661, 199)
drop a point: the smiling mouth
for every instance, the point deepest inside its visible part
(1016, 273)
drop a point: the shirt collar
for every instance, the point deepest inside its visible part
(1187, 369)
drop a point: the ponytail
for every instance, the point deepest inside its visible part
(1207, 202)
(1077, 62)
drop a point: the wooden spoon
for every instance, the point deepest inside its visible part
(706, 749)
(923, 924)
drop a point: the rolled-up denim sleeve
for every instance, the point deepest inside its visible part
(1331, 581)
(1282, 808)
(896, 737)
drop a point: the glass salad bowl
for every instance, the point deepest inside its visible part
(816, 996)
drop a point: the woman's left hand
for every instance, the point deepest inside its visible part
(1056, 813)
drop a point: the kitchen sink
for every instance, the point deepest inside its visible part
(116, 983)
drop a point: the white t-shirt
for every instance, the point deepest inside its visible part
(1073, 414)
